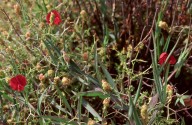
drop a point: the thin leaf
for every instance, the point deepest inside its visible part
(91, 110)
(108, 76)
(93, 94)
(62, 120)
(135, 114)
(64, 100)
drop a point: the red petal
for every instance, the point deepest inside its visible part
(172, 60)
(57, 19)
(48, 17)
(163, 55)
(18, 82)
(163, 58)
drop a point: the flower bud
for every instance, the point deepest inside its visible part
(169, 91)
(50, 73)
(41, 25)
(56, 80)
(38, 66)
(143, 112)
(83, 14)
(17, 9)
(41, 77)
(28, 35)
(2, 74)
(91, 122)
(66, 81)
(106, 85)
(7, 79)
(85, 56)
(106, 102)
(66, 57)
(163, 25)
(9, 121)
(6, 107)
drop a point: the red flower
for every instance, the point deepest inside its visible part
(163, 58)
(18, 83)
(53, 17)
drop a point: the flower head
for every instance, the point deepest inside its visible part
(163, 58)
(18, 82)
(163, 25)
(53, 17)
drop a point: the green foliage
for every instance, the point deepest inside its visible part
(103, 59)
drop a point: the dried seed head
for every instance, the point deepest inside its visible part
(38, 66)
(2, 74)
(49, 6)
(106, 85)
(41, 25)
(129, 48)
(17, 9)
(66, 57)
(83, 14)
(2, 42)
(6, 107)
(139, 46)
(66, 81)
(85, 56)
(41, 77)
(91, 122)
(143, 112)
(50, 73)
(56, 80)
(7, 79)
(9, 50)
(28, 35)
(169, 91)
(106, 102)
(163, 25)
(9, 121)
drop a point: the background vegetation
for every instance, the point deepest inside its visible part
(100, 65)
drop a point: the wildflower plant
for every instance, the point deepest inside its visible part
(92, 62)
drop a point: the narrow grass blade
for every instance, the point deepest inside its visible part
(135, 114)
(93, 94)
(64, 100)
(59, 107)
(61, 120)
(40, 101)
(108, 76)
(91, 110)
